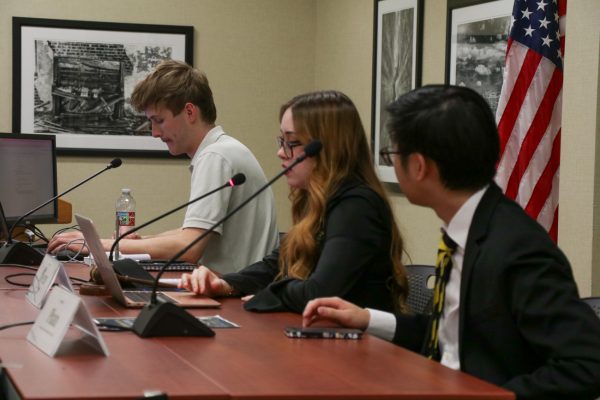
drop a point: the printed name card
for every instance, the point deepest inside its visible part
(61, 310)
(51, 270)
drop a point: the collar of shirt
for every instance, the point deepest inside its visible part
(458, 228)
(211, 137)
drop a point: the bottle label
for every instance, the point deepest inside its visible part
(126, 218)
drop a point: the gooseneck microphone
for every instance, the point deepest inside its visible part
(236, 180)
(167, 319)
(21, 253)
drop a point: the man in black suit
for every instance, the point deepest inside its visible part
(512, 313)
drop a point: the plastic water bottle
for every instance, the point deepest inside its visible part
(125, 212)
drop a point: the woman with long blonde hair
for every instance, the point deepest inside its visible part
(344, 240)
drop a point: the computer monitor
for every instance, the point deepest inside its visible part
(3, 225)
(28, 176)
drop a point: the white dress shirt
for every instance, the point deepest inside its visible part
(383, 324)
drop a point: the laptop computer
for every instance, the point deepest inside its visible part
(132, 298)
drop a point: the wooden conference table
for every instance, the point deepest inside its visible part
(254, 361)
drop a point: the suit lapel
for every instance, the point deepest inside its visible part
(477, 233)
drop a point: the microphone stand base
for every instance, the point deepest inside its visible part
(167, 319)
(20, 253)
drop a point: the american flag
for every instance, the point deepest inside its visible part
(529, 109)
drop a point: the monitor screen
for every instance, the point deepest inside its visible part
(28, 176)
(3, 225)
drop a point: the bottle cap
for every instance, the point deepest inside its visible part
(126, 190)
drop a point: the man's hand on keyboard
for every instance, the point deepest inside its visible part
(67, 241)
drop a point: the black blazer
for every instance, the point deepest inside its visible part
(353, 261)
(522, 325)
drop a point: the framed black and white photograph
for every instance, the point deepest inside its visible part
(397, 49)
(74, 79)
(476, 45)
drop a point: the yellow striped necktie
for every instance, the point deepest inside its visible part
(442, 274)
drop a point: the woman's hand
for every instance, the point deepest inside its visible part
(205, 282)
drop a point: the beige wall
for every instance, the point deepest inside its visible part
(344, 62)
(579, 215)
(259, 53)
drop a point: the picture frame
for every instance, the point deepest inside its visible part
(73, 79)
(397, 55)
(476, 40)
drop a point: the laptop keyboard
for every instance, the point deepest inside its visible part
(157, 266)
(144, 296)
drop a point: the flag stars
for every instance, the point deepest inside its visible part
(529, 31)
(537, 30)
(541, 5)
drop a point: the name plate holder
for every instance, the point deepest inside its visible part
(50, 332)
(51, 270)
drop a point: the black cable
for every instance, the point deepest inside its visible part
(16, 324)
(7, 279)
(34, 229)
(74, 227)
(37, 232)
(19, 266)
(74, 281)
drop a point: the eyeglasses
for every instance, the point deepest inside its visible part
(288, 147)
(385, 155)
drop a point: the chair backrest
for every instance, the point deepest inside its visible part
(593, 302)
(420, 287)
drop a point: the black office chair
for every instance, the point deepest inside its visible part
(421, 279)
(593, 302)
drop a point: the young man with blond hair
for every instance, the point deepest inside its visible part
(178, 102)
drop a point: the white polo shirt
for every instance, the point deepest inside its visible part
(249, 234)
